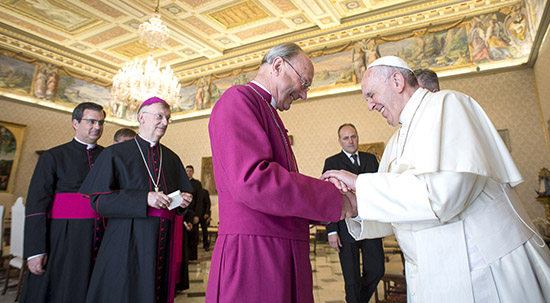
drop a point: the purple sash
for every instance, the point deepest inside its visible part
(71, 206)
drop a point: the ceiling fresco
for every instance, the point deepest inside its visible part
(92, 39)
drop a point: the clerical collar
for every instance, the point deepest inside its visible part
(89, 146)
(349, 155)
(273, 102)
(410, 108)
(151, 143)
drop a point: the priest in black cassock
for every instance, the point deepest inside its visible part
(62, 231)
(130, 184)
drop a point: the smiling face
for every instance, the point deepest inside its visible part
(90, 127)
(290, 85)
(381, 93)
(153, 121)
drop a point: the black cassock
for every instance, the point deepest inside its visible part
(71, 244)
(134, 258)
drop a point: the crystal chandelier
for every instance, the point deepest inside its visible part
(140, 79)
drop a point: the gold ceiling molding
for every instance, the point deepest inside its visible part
(65, 17)
(48, 53)
(387, 24)
(239, 14)
(428, 30)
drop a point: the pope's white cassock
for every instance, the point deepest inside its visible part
(445, 185)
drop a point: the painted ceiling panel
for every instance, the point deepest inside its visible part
(206, 34)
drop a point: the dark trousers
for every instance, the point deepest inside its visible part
(361, 281)
(193, 242)
(204, 229)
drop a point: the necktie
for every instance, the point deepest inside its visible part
(355, 162)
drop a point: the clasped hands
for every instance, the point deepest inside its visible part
(345, 182)
(160, 200)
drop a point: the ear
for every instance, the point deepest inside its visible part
(277, 63)
(75, 124)
(140, 117)
(398, 82)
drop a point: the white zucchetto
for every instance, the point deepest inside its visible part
(390, 61)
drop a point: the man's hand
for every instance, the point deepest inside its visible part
(195, 220)
(158, 200)
(187, 198)
(188, 226)
(37, 265)
(349, 206)
(334, 241)
(346, 179)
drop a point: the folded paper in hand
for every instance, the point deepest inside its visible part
(177, 199)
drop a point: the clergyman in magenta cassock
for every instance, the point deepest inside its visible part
(265, 205)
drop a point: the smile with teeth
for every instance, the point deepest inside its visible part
(381, 110)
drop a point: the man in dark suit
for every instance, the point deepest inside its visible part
(196, 205)
(359, 286)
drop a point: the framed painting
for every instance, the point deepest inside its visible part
(376, 149)
(11, 141)
(207, 175)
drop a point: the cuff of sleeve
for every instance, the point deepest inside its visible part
(32, 257)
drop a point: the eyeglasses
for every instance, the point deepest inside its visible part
(305, 84)
(94, 121)
(159, 116)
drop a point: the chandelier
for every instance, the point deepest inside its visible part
(140, 79)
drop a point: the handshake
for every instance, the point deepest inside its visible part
(345, 182)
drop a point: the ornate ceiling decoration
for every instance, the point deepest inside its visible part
(95, 38)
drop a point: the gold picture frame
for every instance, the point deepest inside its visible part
(11, 143)
(376, 149)
(207, 175)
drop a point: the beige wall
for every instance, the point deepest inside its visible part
(508, 97)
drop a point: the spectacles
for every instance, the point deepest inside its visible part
(305, 84)
(94, 121)
(159, 116)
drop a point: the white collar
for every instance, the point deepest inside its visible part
(273, 102)
(89, 146)
(151, 143)
(349, 155)
(410, 108)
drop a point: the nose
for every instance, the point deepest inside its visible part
(371, 105)
(165, 120)
(303, 94)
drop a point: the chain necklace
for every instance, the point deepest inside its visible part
(287, 148)
(147, 166)
(408, 127)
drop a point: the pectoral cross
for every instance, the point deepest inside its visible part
(157, 189)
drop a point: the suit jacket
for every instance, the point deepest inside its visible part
(368, 164)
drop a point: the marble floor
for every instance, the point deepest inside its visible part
(328, 282)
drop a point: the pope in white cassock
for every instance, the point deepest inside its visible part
(445, 187)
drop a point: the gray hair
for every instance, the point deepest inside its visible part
(124, 132)
(385, 71)
(428, 78)
(344, 125)
(287, 50)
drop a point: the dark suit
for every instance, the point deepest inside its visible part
(358, 288)
(196, 205)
